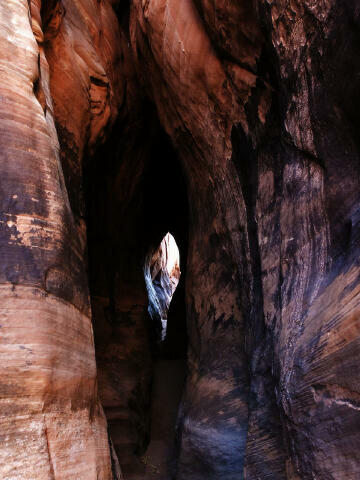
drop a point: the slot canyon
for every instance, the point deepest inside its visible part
(179, 239)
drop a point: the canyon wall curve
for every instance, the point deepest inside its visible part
(234, 125)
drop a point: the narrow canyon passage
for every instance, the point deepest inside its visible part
(170, 362)
(139, 327)
(169, 380)
(234, 127)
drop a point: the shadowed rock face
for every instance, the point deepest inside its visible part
(235, 126)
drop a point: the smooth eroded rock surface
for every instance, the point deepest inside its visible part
(234, 126)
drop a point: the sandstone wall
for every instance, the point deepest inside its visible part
(260, 108)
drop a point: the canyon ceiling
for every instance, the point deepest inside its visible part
(235, 126)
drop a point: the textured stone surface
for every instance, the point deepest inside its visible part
(115, 117)
(53, 425)
(261, 130)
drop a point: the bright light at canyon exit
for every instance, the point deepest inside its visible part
(162, 274)
(172, 264)
(173, 259)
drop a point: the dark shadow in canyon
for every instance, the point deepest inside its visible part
(135, 194)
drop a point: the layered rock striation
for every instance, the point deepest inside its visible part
(234, 126)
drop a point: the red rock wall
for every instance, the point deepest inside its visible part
(53, 425)
(254, 110)
(260, 102)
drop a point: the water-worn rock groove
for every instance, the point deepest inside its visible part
(233, 125)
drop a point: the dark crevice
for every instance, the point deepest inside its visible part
(135, 194)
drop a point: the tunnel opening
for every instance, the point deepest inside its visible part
(136, 201)
(162, 276)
